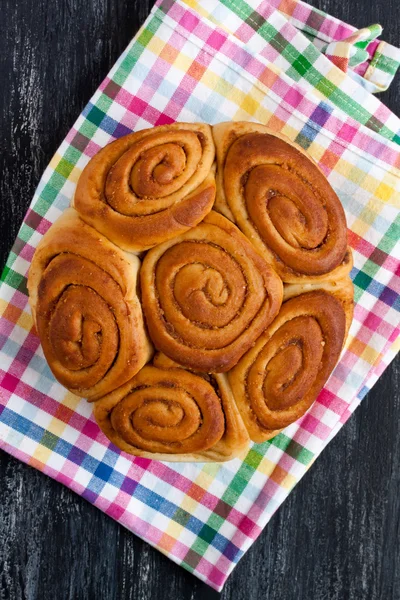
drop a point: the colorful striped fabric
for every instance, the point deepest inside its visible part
(372, 63)
(213, 61)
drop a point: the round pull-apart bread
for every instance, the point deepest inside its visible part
(234, 362)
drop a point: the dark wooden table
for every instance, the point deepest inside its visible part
(338, 534)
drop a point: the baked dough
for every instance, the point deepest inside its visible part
(82, 292)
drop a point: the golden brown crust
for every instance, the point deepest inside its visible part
(168, 413)
(278, 379)
(340, 272)
(339, 286)
(237, 362)
(82, 291)
(342, 289)
(280, 199)
(235, 439)
(207, 295)
(149, 186)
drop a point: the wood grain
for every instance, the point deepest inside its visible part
(337, 537)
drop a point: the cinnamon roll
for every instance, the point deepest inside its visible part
(168, 413)
(207, 295)
(82, 291)
(281, 201)
(278, 379)
(149, 186)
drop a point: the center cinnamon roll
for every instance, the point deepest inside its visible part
(207, 295)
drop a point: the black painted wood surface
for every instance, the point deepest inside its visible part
(337, 537)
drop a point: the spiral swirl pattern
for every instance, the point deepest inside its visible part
(149, 186)
(235, 439)
(208, 295)
(281, 201)
(276, 382)
(234, 363)
(167, 411)
(82, 291)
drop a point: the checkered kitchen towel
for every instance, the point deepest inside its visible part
(215, 60)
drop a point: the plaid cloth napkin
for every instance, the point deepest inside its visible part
(214, 61)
